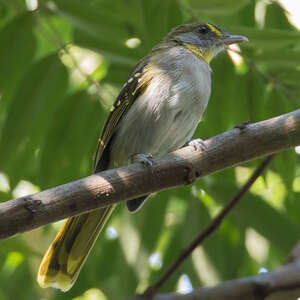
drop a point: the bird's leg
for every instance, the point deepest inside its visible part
(145, 159)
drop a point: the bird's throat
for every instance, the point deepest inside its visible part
(206, 55)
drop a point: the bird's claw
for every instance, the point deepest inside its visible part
(198, 144)
(145, 159)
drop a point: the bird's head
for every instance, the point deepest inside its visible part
(204, 39)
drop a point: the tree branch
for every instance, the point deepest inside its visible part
(178, 168)
(280, 284)
(283, 283)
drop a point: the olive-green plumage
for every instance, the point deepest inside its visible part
(156, 112)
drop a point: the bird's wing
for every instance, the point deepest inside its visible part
(131, 90)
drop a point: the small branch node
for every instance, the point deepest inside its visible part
(243, 125)
(31, 205)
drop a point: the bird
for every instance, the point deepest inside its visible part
(156, 112)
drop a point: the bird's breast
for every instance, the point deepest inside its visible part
(166, 115)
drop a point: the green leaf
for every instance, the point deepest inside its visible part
(30, 113)
(268, 37)
(276, 16)
(157, 17)
(5, 196)
(216, 7)
(92, 18)
(71, 140)
(285, 164)
(17, 244)
(52, 33)
(281, 58)
(16, 54)
(152, 216)
(270, 223)
(224, 101)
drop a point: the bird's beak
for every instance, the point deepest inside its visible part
(233, 39)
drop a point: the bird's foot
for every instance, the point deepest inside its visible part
(198, 144)
(145, 159)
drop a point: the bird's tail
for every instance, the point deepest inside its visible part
(67, 253)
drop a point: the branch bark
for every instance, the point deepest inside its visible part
(283, 283)
(280, 284)
(178, 168)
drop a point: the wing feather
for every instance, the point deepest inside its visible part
(131, 90)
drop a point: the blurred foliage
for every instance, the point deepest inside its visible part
(52, 55)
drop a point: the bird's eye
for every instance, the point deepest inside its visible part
(203, 29)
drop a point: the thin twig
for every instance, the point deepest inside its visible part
(216, 222)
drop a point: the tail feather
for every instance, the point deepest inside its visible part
(64, 258)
